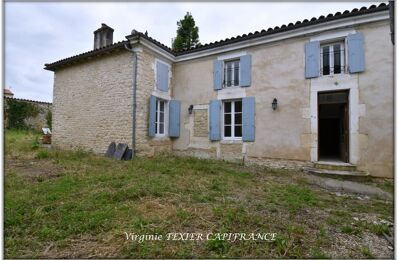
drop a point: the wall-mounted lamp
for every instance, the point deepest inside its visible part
(274, 104)
(190, 109)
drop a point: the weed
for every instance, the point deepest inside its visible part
(379, 229)
(35, 144)
(366, 252)
(42, 154)
(350, 230)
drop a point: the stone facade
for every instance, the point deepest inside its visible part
(93, 103)
(147, 146)
(200, 122)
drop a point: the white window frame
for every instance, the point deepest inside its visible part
(233, 60)
(165, 118)
(331, 57)
(232, 137)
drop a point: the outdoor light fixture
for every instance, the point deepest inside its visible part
(190, 109)
(274, 104)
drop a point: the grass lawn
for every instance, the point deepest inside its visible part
(76, 204)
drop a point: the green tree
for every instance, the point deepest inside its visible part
(187, 33)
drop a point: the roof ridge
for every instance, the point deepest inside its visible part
(330, 16)
(110, 46)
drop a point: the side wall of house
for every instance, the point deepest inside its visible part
(92, 104)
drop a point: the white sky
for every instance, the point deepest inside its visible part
(39, 33)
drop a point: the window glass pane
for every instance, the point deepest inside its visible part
(325, 57)
(238, 106)
(156, 127)
(236, 73)
(238, 119)
(161, 117)
(227, 119)
(337, 59)
(227, 107)
(162, 106)
(227, 131)
(238, 131)
(161, 128)
(229, 74)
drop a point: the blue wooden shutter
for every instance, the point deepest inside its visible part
(152, 116)
(174, 118)
(246, 70)
(162, 76)
(248, 121)
(215, 114)
(356, 55)
(312, 57)
(217, 74)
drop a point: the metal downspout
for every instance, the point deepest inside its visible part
(135, 59)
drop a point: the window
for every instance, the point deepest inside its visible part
(231, 73)
(332, 59)
(232, 118)
(160, 117)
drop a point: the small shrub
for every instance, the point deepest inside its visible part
(49, 118)
(42, 154)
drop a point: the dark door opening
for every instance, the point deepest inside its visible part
(333, 126)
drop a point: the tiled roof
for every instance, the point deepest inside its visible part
(54, 65)
(290, 26)
(7, 91)
(239, 38)
(28, 100)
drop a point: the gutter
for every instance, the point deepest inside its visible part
(135, 59)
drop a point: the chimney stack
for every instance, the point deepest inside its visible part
(103, 36)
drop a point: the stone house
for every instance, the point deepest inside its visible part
(316, 91)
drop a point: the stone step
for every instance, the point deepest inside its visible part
(327, 172)
(336, 166)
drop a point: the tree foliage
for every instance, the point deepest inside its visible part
(187, 33)
(49, 118)
(18, 111)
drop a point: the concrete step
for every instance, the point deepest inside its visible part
(348, 187)
(335, 166)
(327, 172)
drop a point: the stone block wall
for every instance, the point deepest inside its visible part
(92, 104)
(145, 145)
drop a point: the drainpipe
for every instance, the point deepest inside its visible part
(134, 95)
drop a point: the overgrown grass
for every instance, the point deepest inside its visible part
(79, 205)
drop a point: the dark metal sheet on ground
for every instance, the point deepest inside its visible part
(111, 150)
(128, 154)
(120, 150)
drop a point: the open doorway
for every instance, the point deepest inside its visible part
(333, 127)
